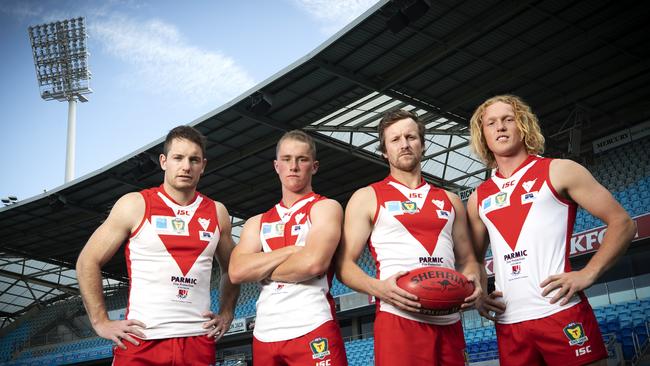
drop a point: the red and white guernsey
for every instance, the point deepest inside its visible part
(530, 228)
(412, 229)
(169, 261)
(290, 310)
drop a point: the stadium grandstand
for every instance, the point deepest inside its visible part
(584, 67)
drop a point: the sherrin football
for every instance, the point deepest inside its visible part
(440, 290)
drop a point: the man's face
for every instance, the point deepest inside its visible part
(183, 164)
(500, 130)
(295, 165)
(403, 146)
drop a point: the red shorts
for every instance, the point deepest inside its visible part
(400, 341)
(184, 351)
(569, 337)
(322, 346)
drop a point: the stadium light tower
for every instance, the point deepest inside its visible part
(61, 61)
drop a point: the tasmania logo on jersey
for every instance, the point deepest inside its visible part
(178, 225)
(501, 199)
(576, 334)
(319, 348)
(409, 207)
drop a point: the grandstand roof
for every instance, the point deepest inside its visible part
(582, 65)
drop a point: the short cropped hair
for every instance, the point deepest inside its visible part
(298, 135)
(526, 121)
(187, 133)
(393, 116)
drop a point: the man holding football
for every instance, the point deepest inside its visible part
(408, 224)
(527, 211)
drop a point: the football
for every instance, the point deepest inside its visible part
(440, 290)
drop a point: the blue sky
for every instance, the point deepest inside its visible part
(154, 64)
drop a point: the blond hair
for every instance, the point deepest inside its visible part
(526, 121)
(300, 136)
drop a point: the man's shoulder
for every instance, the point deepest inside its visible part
(327, 204)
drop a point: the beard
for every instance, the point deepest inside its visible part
(407, 163)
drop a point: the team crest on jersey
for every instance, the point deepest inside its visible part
(576, 334)
(182, 293)
(178, 225)
(409, 207)
(528, 197)
(439, 203)
(528, 185)
(442, 214)
(299, 217)
(204, 223)
(501, 199)
(319, 348)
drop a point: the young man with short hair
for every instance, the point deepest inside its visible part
(171, 235)
(289, 250)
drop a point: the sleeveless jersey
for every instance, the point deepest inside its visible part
(290, 310)
(530, 226)
(169, 262)
(412, 228)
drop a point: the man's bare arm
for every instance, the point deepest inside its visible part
(228, 292)
(125, 215)
(487, 305)
(357, 228)
(463, 251)
(575, 182)
(322, 240)
(248, 263)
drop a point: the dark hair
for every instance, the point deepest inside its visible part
(186, 133)
(298, 135)
(393, 116)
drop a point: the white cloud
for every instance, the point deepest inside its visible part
(165, 64)
(334, 14)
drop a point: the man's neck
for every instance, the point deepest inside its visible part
(181, 197)
(508, 164)
(410, 179)
(290, 197)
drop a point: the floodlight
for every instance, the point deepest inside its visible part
(61, 62)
